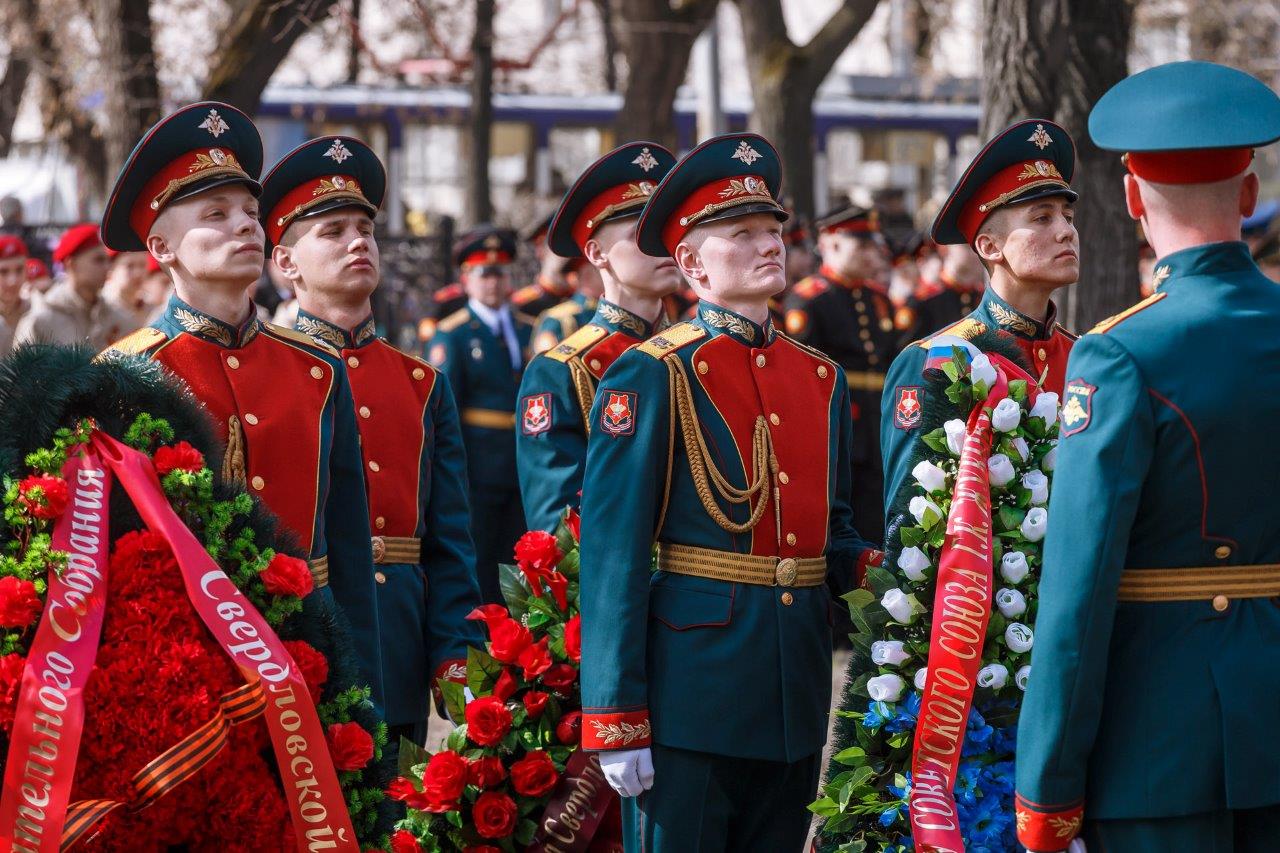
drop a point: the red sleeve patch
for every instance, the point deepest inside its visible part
(907, 411)
(535, 413)
(618, 414)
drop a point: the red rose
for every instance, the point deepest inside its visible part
(443, 781)
(43, 496)
(350, 745)
(506, 685)
(486, 772)
(535, 659)
(575, 524)
(403, 790)
(535, 702)
(488, 720)
(569, 729)
(507, 639)
(560, 677)
(286, 575)
(534, 775)
(311, 663)
(403, 841)
(573, 638)
(494, 815)
(10, 683)
(537, 552)
(19, 604)
(179, 457)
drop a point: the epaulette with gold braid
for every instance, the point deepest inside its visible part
(525, 295)
(966, 329)
(1115, 320)
(299, 337)
(576, 343)
(567, 308)
(453, 321)
(670, 340)
(809, 287)
(137, 343)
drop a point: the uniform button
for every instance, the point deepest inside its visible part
(352, 361)
(787, 598)
(364, 411)
(317, 373)
(250, 418)
(379, 522)
(258, 483)
(1220, 603)
(1040, 353)
(865, 334)
(774, 419)
(873, 359)
(374, 466)
(233, 362)
(702, 367)
(1222, 552)
(419, 373)
(783, 478)
(595, 364)
(379, 577)
(791, 539)
(822, 371)
(867, 345)
(864, 320)
(860, 305)
(760, 361)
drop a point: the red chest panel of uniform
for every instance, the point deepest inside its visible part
(782, 383)
(278, 392)
(1051, 354)
(602, 356)
(391, 391)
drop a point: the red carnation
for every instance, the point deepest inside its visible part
(535, 702)
(311, 663)
(535, 659)
(10, 683)
(573, 638)
(403, 841)
(486, 772)
(443, 781)
(350, 745)
(494, 815)
(506, 685)
(286, 575)
(507, 639)
(560, 678)
(43, 496)
(537, 552)
(179, 457)
(488, 720)
(569, 729)
(19, 604)
(403, 790)
(534, 775)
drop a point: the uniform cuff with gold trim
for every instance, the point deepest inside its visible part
(604, 730)
(451, 670)
(1045, 829)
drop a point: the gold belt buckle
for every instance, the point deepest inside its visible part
(785, 573)
(379, 548)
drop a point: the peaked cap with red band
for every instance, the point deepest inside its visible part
(614, 187)
(322, 174)
(195, 149)
(1186, 122)
(1030, 159)
(485, 246)
(727, 176)
(850, 219)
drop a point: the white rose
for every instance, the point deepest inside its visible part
(1018, 638)
(982, 370)
(919, 505)
(922, 675)
(886, 688)
(1000, 469)
(993, 675)
(888, 653)
(930, 476)
(1035, 524)
(899, 606)
(1013, 566)
(1012, 603)
(1020, 677)
(1046, 406)
(955, 435)
(1038, 484)
(1020, 445)
(1006, 416)
(913, 562)
(1050, 460)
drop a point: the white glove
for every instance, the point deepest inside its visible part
(466, 692)
(628, 771)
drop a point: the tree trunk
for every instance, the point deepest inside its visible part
(611, 46)
(657, 41)
(14, 82)
(130, 83)
(353, 44)
(479, 201)
(1055, 59)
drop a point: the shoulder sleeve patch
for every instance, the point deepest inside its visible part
(453, 321)
(672, 339)
(1115, 320)
(299, 337)
(138, 342)
(967, 329)
(576, 343)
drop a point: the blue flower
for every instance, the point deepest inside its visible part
(977, 738)
(967, 791)
(877, 713)
(984, 823)
(904, 718)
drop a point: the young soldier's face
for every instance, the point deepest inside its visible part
(631, 267)
(212, 237)
(13, 274)
(89, 267)
(854, 256)
(1039, 244)
(332, 256)
(737, 259)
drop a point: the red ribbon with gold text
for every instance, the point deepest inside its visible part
(34, 810)
(577, 818)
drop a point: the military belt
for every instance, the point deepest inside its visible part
(864, 380)
(733, 567)
(489, 418)
(396, 549)
(1218, 584)
(319, 571)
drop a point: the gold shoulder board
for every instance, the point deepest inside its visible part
(576, 343)
(1115, 320)
(453, 321)
(669, 340)
(299, 337)
(966, 329)
(138, 342)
